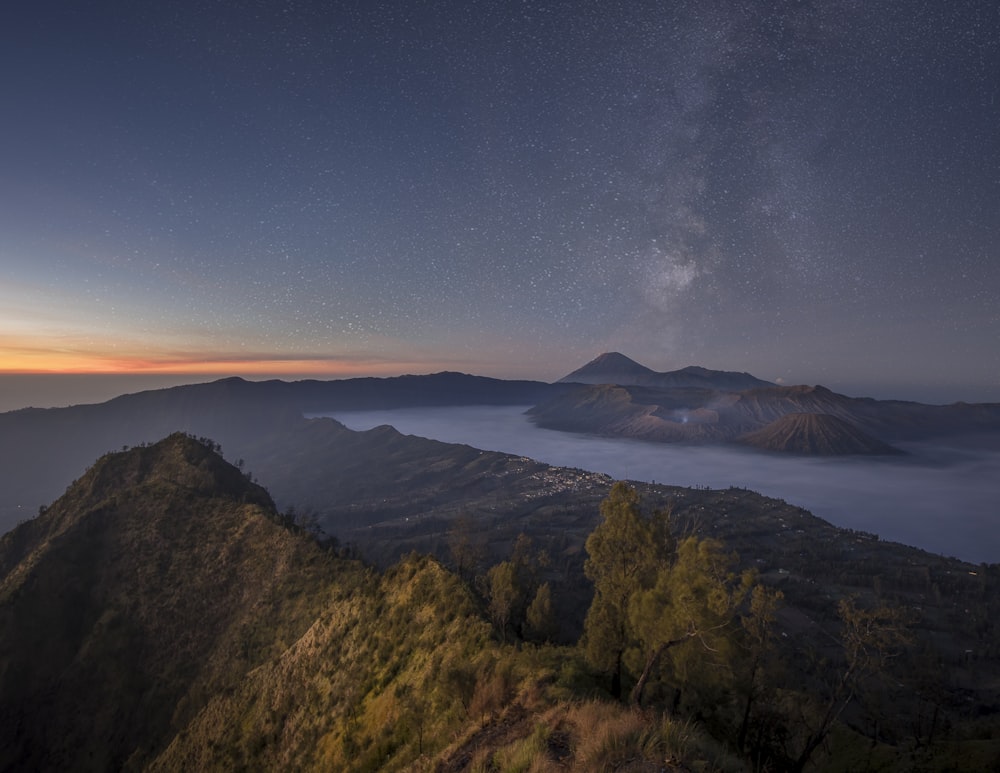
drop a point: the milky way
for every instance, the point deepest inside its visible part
(805, 190)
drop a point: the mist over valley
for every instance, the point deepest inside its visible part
(940, 496)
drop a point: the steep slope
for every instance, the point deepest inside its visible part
(161, 577)
(378, 666)
(162, 616)
(762, 406)
(609, 368)
(815, 434)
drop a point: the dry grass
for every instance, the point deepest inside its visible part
(589, 737)
(611, 737)
(528, 755)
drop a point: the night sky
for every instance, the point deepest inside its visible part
(809, 191)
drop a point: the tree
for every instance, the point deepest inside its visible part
(695, 599)
(504, 595)
(652, 594)
(758, 628)
(870, 639)
(540, 619)
(624, 554)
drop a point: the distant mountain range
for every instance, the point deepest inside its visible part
(616, 396)
(42, 450)
(616, 368)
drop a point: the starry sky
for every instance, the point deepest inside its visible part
(805, 190)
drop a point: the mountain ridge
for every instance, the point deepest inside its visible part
(162, 615)
(42, 450)
(618, 369)
(134, 596)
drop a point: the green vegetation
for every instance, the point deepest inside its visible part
(625, 552)
(163, 615)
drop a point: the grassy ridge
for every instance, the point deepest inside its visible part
(160, 578)
(163, 615)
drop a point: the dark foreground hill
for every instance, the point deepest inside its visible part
(163, 615)
(160, 578)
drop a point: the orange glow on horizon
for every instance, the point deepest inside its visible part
(74, 364)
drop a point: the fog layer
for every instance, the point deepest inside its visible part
(944, 498)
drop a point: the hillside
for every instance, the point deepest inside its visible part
(814, 434)
(609, 368)
(161, 577)
(162, 615)
(42, 450)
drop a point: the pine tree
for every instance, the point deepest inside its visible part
(624, 552)
(504, 595)
(695, 598)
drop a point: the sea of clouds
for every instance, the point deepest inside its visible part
(942, 497)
